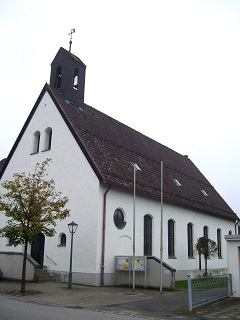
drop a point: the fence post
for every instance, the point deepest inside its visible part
(230, 292)
(189, 292)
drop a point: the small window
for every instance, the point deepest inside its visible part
(204, 193)
(58, 79)
(75, 79)
(36, 142)
(48, 139)
(177, 183)
(62, 240)
(119, 218)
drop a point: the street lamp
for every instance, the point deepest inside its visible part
(135, 168)
(72, 229)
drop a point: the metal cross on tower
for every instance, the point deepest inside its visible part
(70, 42)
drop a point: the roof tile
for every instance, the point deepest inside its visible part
(111, 147)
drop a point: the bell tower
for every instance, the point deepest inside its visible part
(68, 76)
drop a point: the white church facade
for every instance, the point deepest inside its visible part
(92, 156)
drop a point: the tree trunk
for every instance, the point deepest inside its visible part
(205, 272)
(200, 261)
(24, 267)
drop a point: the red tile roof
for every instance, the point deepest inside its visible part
(111, 147)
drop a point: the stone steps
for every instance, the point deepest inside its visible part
(45, 276)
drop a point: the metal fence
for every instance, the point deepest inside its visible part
(205, 290)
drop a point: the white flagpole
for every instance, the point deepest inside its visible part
(134, 250)
(135, 168)
(161, 231)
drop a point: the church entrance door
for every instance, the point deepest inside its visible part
(37, 249)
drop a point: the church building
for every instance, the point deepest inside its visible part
(98, 162)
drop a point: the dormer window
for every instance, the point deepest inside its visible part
(58, 77)
(75, 79)
(177, 183)
(204, 193)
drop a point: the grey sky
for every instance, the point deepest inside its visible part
(168, 68)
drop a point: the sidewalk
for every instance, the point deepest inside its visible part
(142, 303)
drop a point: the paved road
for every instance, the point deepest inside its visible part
(108, 300)
(47, 300)
(13, 309)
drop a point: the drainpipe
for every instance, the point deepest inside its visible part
(103, 236)
(237, 225)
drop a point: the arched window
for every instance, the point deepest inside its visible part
(190, 239)
(171, 239)
(36, 142)
(219, 242)
(9, 242)
(58, 78)
(75, 79)
(205, 232)
(62, 240)
(147, 235)
(47, 139)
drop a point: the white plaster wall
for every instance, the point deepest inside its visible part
(11, 266)
(73, 177)
(182, 217)
(233, 251)
(119, 242)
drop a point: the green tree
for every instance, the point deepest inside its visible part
(208, 248)
(32, 205)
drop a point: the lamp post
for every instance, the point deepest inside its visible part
(135, 168)
(72, 229)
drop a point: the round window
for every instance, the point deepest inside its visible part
(118, 219)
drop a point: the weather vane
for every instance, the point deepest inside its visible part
(70, 42)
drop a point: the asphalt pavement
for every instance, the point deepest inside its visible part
(139, 304)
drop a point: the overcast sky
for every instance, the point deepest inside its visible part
(167, 68)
